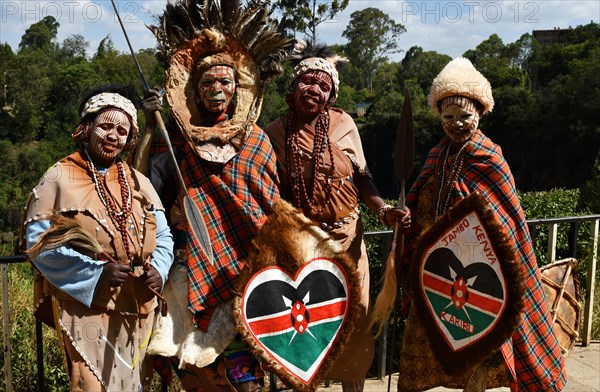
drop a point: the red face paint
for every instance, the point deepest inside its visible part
(460, 123)
(312, 93)
(216, 88)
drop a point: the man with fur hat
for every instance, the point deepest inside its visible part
(463, 162)
(324, 173)
(218, 57)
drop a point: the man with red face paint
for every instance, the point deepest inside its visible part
(216, 88)
(218, 61)
(324, 172)
(101, 304)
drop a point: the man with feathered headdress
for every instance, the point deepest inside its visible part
(218, 57)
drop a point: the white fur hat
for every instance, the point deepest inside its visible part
(459, 77)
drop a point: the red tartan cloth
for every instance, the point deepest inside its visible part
(234, 199)
(532, 354)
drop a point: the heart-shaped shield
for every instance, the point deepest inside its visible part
(303, 317)
(296, 305)
(469, 285)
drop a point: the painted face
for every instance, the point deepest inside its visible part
(460, 123)
(109, 136)
(216, 88)
(312, 92)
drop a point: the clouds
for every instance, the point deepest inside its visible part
(448, 27)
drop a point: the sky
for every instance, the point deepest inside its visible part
(447, 27)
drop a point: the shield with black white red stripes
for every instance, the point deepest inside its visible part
(302, 317)
(469, 286)
(297, 303)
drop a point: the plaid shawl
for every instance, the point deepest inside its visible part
(532, 354)
(235, 199)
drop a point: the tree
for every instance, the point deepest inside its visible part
(421, 68)
(371, 34)
(305, 15)
(106, 48)
(493, 59)
(6, 58)
(40, 35)
(74, 46)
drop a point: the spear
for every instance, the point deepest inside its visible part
(403, 163)
(192, 213)
(404, 157)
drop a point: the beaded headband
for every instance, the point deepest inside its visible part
(101, 102)
(104, 100)
(318, 64)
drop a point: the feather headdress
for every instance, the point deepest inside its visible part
(194, 35)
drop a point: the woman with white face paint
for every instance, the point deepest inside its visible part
(466, 161)
(101, 303)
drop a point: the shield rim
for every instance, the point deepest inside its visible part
(294, 279)
(457, 361)
(281, 213)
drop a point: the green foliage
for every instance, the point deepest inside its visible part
(40, 35)
(371, 35)
(274, 104)
(305, 16)
(588, 198)
(22, 338)
(74, 46)
(554, 204)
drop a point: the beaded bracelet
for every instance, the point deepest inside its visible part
(382, 211)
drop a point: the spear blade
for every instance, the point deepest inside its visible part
(404, 156)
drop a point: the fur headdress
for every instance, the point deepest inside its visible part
(194, 35)
(460, 78)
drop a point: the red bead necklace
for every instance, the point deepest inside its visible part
(305, 196)
(118, 217)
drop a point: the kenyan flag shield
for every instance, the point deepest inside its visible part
(303, 316)
(297, 304)
(469, 284)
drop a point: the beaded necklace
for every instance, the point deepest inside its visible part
(119, 217)
(303, 195)
(446, 186)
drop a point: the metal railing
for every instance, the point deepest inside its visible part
(386, 237)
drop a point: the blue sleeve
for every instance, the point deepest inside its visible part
(68, 270)
(162, 257)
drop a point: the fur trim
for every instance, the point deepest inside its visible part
(459, 77)
(288, 239)
(176, 335)
(469, 356)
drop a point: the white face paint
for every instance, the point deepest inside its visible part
(460, 123)
(216, 88)
(108, 137)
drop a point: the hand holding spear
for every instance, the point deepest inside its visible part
(192, 213)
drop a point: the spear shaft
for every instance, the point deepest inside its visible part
(193, 215)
